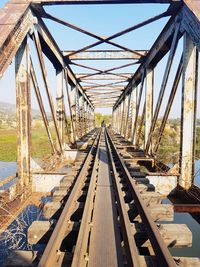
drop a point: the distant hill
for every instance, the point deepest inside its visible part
(10, 109)
(8, 115)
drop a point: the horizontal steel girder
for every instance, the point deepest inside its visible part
(105, 55)
(60, 2)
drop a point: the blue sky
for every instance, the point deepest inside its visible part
(103, 20)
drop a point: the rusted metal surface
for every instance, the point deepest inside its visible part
(190, 20)
(194, 6)
(52, 252)
(105, 55)
(188, 119)
(155, 54)
(160, 249)
(73, 139)
(23, 105)
(60, 105)
(41, 106)
(134, 100)
(44, 75)
(103, 40)
(169, 105)
(54, 54)
(15, 22)
(82, 241)
(133, 138)
(108, 76)
(163, 85)
(57, 2)
(190, 208)
(131, 249)
(148, 102)
(20, 20)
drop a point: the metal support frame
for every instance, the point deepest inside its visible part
(88, 88)
(149, 103)
(163, 85)
(137, 110)
(23, 104)
(73, 93)
(134, 96)
(169, 105)
(44, 75)
(41, 105)
(60, 112)
(188, 119)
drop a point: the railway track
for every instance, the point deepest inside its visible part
(111, 215)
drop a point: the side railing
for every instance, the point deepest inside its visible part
(142, 122)
(25, 39)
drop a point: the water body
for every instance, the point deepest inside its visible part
(10, 168)
(15, 237)
(7, 169)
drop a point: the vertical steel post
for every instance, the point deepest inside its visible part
(188, 116)
(148, 103)
(78, 115)
(73, 109)
(81, 106)
(119, 117)
(127, 117)
(73, 139)
(60, 105)
(85, 116)
(23, 105)
(89, 119)
(134, 108)
(94, 122)
(114, 118)
(44, 75)
(122, 115)
(116, 121)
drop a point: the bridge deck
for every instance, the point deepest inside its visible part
(105, 248)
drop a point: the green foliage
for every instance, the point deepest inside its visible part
(40, 145)
(99, 118)
(8, 145)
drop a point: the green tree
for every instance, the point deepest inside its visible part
(99, 118)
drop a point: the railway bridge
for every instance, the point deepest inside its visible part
(110, 200)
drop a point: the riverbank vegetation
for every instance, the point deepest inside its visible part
(40, 145)
(168, 151)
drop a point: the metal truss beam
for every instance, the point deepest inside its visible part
(15, 22)
(52, 51)
(118, 76)
(61, 2)
(105, 55)
(157, 52)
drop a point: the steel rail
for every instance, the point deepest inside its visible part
(160, 249)
(80, 253)
(129, 242)
(52, 251)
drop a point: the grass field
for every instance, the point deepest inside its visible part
(40, 145)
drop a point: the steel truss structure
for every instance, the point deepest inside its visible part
(22, 21)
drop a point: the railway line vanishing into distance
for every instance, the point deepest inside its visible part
(110, 214)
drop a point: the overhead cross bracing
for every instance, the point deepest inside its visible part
(91, 53)
(110, 84)
(113, 167)
(121, 52)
